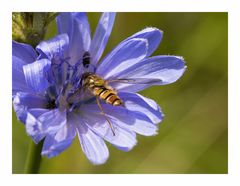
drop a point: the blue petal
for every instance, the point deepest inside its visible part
(82, 30)
(153, 36)
(130, 120)
(126, 119)
(42, 122)
(158, 70)
(101, 36)
(57, 143)
(124, 138)
(122, 57)
(24, 101)
(77, 27)
(18, 78)
(55, 47)
(36, 74)
(140, 104)
(56, 50)
(24, 52)
(65, 23)
(92, 145)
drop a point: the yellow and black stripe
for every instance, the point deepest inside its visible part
(107, 95)
(99, 87)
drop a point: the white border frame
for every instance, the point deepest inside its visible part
(9, 6)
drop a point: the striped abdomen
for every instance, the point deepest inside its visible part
(108, 95)
(98, 87)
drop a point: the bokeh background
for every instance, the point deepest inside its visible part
(193, 137)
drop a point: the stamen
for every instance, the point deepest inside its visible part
(67, 81)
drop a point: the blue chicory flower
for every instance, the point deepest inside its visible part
(43, 81)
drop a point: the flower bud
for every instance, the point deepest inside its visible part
(29, 27)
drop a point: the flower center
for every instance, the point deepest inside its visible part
(51, 104)
(66, 90)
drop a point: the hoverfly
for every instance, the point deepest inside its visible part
(100, 88)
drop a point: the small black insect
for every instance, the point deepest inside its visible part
(86, 59)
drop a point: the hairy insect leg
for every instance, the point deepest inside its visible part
(103, 113)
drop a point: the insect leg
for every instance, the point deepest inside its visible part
(103, 113)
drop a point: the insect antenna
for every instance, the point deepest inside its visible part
(103, 113)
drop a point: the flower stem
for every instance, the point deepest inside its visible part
(33, 158)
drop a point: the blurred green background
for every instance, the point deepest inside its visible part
(193, 137)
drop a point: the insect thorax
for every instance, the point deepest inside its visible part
(91, 80)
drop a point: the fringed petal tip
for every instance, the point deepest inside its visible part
(153, 35)
(93, 146)
(126, 149)
(152, 29)
(55, 47)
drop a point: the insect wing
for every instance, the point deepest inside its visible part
(143, 81)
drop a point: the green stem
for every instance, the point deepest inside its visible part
(33, 158)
